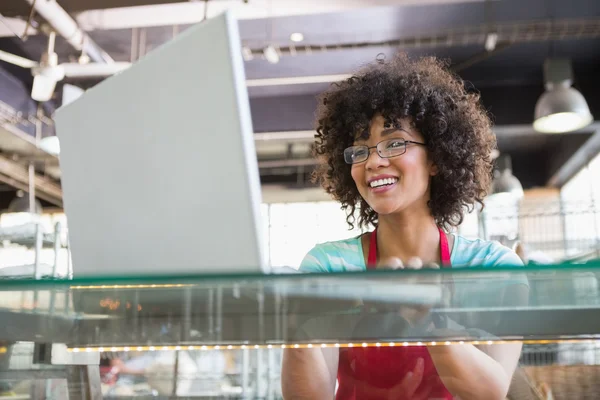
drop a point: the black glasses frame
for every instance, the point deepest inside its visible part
(379, 151)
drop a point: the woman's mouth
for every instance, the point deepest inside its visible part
(382, 182)
(382, 185)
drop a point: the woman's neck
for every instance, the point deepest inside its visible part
(407, 236)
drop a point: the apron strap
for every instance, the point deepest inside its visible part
(372, 260)
(444, 250)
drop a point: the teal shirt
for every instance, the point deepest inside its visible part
(347, 255)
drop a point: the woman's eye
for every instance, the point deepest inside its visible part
(394, 144)
(359, 152)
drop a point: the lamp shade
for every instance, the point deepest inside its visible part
(43, 88)
(561, 109)
(506, 182)
(20, 204)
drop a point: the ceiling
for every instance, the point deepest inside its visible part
(339, 37)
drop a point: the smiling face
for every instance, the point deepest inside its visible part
(396, 184)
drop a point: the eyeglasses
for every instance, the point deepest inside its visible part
(386, 149)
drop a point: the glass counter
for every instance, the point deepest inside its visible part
(553, 310)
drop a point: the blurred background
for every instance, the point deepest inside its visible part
(534, 62)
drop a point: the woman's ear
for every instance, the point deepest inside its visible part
(433, 169)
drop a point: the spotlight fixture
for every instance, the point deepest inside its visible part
(296, 37)
(271, 54)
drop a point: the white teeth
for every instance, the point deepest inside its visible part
(383, 182)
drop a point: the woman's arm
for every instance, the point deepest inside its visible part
(472, 374)
(483, 372)
(309, 373)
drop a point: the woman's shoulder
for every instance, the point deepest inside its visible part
(335, 256)
(484, 253)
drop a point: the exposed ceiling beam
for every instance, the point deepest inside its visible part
(585, 154)
(17, 175)
(192, 12)
(506, 34)
(500, 130)
(296, 80)
(15, 27)
(526, 129)
(288, 136)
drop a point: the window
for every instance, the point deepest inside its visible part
(292, 229)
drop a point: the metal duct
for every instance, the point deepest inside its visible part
(506, 33)
(66, 26)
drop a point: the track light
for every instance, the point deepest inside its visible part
(271, 55)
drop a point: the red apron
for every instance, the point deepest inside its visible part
(364, 371)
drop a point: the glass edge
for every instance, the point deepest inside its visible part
(236, 276)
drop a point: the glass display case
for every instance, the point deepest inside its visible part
(222, 335)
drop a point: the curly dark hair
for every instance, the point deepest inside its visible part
(456, 128)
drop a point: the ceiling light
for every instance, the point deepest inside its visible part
(296, 37)
(505, 182)
(43, 88)
(560, 108)
(491, 40)
(247, 54)
(271, 55)
(20, 204)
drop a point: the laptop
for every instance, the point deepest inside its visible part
(159, 169)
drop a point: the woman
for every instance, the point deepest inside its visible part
(408, 149)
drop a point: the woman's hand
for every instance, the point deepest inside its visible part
(416, 313)
(412, 386)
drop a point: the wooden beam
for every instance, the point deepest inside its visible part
(16, 175)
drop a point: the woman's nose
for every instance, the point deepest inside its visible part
(375, 161)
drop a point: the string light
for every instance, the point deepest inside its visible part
(153, 286)
(323, 345)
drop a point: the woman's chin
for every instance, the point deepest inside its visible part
(385, 209)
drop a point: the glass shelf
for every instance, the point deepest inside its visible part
(534, 304)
